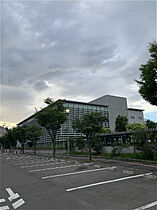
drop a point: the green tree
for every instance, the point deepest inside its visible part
(51, 118)
(148, 76)
(4, 142)
(152, 136)
(80, 143)
(135, 126)
(139, 137)
(120, 123)
(33, 133)
(8, 140)
(20, 135)
(11, 138)
(90, 125)
(97, 144)
(150, 124)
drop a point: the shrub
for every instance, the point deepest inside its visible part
(97, 144)
(149, 151)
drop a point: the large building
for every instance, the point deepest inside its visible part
(109, 106)
(76, 110)
(118, 106)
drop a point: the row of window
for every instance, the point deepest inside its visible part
(85, 107)
(133, 117)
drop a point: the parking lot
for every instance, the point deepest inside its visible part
(36, 182)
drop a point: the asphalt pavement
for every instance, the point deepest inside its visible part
(34, 182)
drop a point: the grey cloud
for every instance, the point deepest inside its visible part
(83, 48)
(40, 86)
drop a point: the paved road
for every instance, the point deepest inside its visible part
(32, 182)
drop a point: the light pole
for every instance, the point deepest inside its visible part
(68, 143)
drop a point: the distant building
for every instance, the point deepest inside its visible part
(135, 115)
(118, 106)
(2, 131)
(109, 106)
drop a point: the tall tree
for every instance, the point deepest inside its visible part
(8, 140)
(150, 124)
(148, 82)
(33, 133)
(90, 125)
(152, 136)
(120, 123)
(51, 118)
(20, 134)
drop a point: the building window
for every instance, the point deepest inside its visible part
(140, 118)
(132, 117)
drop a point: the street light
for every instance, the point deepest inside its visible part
(68, 145)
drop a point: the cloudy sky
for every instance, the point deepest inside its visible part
(77, 50)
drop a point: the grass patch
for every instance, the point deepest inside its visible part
(130, 157)
(78, 153)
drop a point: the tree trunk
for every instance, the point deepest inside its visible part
(34, 147)
(53, 138)
(23, 149)
(90, 149)
(54, 148)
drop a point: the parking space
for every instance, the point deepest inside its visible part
(78, 184)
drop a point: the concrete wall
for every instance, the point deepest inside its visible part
(108, 149)
(127, 150)
(117, 106)
(135, 116)
(47, 152)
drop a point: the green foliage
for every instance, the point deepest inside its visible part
(90, 125)
(51, 118)
(33, 133)
(117, 148)
(139, 127)
(4, 141)
(139, 138)
(148, 82)
(97, 144)
(106, 130)
(150, 124)
(135, 126)
(9, 139)
(120, 123)
(149, 151)
(20, 134)
(80, 143)
(152, 136)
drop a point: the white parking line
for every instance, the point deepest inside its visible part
(4, 208)
(29, 166)
(2, 200)
(12, 194)
(106, 182)
(147, 206)
(18, 203)
(31, 162)
(58, 167)
(78, 172)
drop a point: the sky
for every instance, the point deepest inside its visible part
(74, 50)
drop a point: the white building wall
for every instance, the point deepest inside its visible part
(135, 116)
(116, 106)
